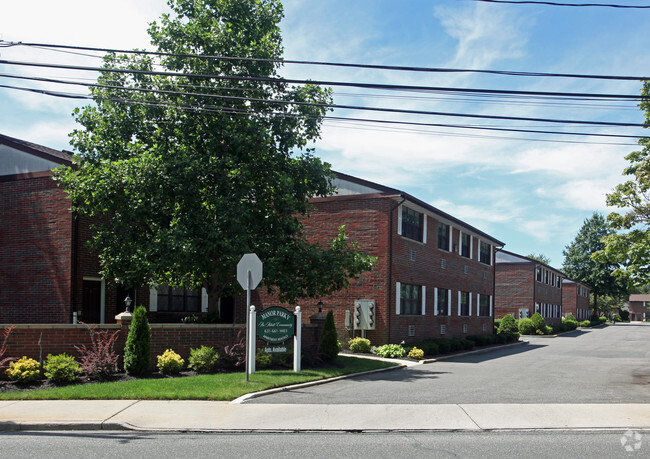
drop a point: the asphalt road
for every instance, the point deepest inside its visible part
(603, 365)
(108, 444)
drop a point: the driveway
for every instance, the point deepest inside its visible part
(603, 365)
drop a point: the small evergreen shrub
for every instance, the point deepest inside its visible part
(329, 348)
(361, 345)
(539, 323)
(24, 370)
(137, 360)
(508, 325)
(569, 322)
(568, 317)
(62, 368)
(526, 326)
(392, 351)
(416, 353)
(263, 359)
(585, 323)
(170, 363)
(203, 359)
(444, 345)
(624, 316)
(603, 320)
(428, 347)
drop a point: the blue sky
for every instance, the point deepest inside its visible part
(534, 195)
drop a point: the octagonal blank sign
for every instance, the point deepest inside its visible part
(250, 262)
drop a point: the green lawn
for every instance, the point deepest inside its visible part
(225, 386)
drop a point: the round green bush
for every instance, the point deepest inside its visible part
(24, 370)
(526, 326)
(203, 359)
(508, 325)
(263, 359)
(539, 323)
(359, 344)
(585, 323)
(62, 368)
(391, 351)
(416, 353)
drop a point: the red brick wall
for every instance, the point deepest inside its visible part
(59, 338)
(35, 260)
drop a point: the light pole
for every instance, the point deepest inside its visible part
(127, 302)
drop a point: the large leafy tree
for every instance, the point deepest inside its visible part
(186, 161)
(579, 264)
(629, 247)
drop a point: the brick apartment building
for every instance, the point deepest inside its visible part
(575, 299)
(525, 286)
(434, 275)
(639, 307)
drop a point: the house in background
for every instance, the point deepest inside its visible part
(525, 286)
(434, 275)
(575, 299)
(639, 307)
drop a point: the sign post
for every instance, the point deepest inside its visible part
(296, 340)
(249, 275)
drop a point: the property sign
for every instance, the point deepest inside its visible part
(275, 349)
(275, 325)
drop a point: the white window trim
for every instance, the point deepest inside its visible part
(398, 288)
(399, 219)
(470, 304)
(490, 306)
(451, 238)
(448, 303)
(435, 301)
(459, 303)
(424, 300)
(424, 228)
(478, 304)
(153, 299)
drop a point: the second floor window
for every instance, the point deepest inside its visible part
(465, 245)
(485, 253)
(412, 224)
(443, 236)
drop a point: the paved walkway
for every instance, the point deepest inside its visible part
(230, 417)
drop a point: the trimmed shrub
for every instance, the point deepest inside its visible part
(508, 325)
(603, 320)
(539, 323)
(568, 317)
(24, 370)
(444, 345)
(392, 351)
(428, 347)
(203, 359)
(263, 359)
(359, 345)
(170, 362)
(569, 322)
(62, 368)
(416, 353)
(138, 344)
(585, 323)
(526, 326)
(329, 347)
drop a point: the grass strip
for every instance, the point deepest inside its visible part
(222, 387)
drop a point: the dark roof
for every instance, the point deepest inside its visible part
(58, 156)
(526, 260)
(395, 192)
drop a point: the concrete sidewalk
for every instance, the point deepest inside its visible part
(228, 417)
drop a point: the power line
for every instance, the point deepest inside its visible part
(376, 86)
(330, 64)
(535, 2)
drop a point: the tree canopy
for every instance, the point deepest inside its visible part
(629, 247)
(190, 158)
(580, 266)
(539, 257)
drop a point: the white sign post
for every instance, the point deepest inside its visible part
(297, 340)
(249, 275)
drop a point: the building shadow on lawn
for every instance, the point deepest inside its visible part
(496, 353)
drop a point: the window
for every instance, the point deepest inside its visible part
(410, 300)
(485, 253)
(178, 300)
(442, 302)
(412, 224)
(538, 274)
(484, 305)
(463, 304)
(546, 276)
(443, 236)
(465, 245)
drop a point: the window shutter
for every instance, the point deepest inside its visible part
(153, 299)
(451, 238)
(478, 304)
(448, 302)
(459, 301)
(435, 301)
(424, 299)
(399, 221)
(490, 305)
(424, 228)
(470, 304)
(204, 300)
(398, 288)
